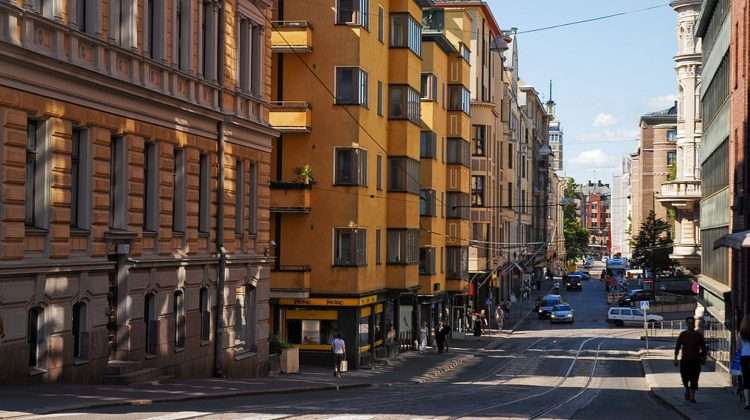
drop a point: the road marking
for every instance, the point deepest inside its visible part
(264, 417)
(47, 416)
(180, 415)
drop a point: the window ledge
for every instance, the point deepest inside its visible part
(150, 356)
(203, 234)
(79, 232)
(149, 233)
(244, 354)
(176, 234)
(35, 371)
(179, 349)
(80, 362)
(35, 231)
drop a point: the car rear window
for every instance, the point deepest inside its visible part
(550, 302)
(626, 312)
(562, 307)
(615, 311)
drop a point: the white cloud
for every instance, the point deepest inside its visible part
(604, 120)
(608, 136)
(593, 159)
(660, 102)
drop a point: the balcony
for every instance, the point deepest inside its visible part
(287, 279)
(291, 36)
(680, 193)
(290, 117)
(290, 197)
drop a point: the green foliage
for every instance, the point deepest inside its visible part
(576, 237)
(652, 246)
(276, 344)
(672, 174)
(305, 175)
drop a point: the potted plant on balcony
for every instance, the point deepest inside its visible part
(289, 354)
(305, 175)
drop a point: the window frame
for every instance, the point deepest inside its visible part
(427, 261)
(478, 190)
(204, 207)
(239, 196)
(457, 206)
(458, 152)
(80, 180)
(410, 181)
(358, 169)
(427, 203)
(37, 182)
(428, 87)
(204, 309)
(479, 140)
(179, 191)
(459, 99)
(357, 248)
(119, 182)
(407, 241)
(410, 36)
(179, 319)
(151, 187)
(79, 331)
(409, 102)
(428, 145)
(360, 86)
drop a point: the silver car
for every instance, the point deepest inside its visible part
(562, 313)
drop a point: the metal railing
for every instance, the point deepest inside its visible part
(718, 337)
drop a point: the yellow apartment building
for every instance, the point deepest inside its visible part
(345, 195)
(135, 151)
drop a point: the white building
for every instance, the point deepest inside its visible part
(555, 133)
(684, 192)
(620, 211)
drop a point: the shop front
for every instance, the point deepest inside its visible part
(312, 323)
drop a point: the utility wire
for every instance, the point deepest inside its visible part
(578, 22)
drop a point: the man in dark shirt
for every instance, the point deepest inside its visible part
(693, 348)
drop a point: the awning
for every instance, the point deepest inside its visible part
(736, 240)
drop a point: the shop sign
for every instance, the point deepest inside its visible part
(367, 300)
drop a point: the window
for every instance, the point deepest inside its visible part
(458, 152)
(353, 12)
(478, 139)
(379, 173)
(716, 94)
(523, 167)
(403, 175)
(48, 8)
(80, 184)
(403, 246)
(36, 338)
(154, 27)
(119, 183)
(404, 103)
(210, 40)
(123, 22)
(457, 206)
(464, 51)
(350, 247)
(251, 310)
(205, 313)
(178, 200)
(252, 202)
(428, 203)
(380, 98)
(457, 262)
(178, 312)
(510, 156)
(250, 54)
(672, 134)
(381, 24)
(239, 196)
(715, 170)
(406, 32)
(87, 16)
(429, 87)
(151, 323)
(203, 199)
(151, 187)
(459, 99)
(378, 247)
(477, 191)
(671, 157)
(351, 167)
(426, 261)
(80, 332)
(36, 183)
(182, 34)
(351, 86)
(428, 145)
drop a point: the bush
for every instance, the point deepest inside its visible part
(276, 344)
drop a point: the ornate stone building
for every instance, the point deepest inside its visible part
(135, 151)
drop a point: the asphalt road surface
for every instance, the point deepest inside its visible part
(585, 370)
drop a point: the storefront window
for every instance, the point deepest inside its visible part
(310, 331)
(364, 331)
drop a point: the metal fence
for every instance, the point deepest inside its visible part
(718, 337)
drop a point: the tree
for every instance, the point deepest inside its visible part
(652, 246)
(576, 236)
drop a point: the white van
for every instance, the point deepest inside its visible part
(621, 316)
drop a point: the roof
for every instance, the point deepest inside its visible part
(663, 116)
(473, 3)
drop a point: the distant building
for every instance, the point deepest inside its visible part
(620, 227)
(594, 207)
(555, 134)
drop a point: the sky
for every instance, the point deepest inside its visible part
(605, 74)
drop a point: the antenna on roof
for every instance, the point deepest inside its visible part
(550, 90)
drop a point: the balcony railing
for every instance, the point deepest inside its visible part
(678, 191)
(291, 36)
(290, 117)
(290, 197)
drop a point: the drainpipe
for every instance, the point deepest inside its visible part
(220, 251)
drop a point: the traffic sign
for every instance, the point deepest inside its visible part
(645, 305)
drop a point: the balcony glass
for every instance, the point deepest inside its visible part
(433, 21)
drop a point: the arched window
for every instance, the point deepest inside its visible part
(205, 314)
(178, 312)
(151, 323)
(36, 337)
(80, 332)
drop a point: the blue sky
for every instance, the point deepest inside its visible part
(605, 74)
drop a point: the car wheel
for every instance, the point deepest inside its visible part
(620, 323)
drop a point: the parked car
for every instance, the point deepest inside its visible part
(584, 274)
(587, 264)
(547, 304)
(635, 296)
(573, 282)
(562, 313)
(629, 316)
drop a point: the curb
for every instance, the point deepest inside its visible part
(646, 367)
(223, 395)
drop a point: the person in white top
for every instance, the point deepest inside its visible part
(423, 337)
(339, 354)
(745, 359)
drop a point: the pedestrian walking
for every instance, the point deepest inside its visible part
(423, 337)
(390, 343)
(483, 318)
(339, 354)
(477, 325)
(441, 334)
(499, 317)
(693, 347)
(745, 358)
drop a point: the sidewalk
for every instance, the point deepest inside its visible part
(716, 396)
(22, 400)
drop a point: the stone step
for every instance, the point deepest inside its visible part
(119, 367)
(134, 377)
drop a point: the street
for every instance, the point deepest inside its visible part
(585, 370)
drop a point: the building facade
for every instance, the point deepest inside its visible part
(620, 224)
(135, 150)
(555, 134)
(681, 193)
